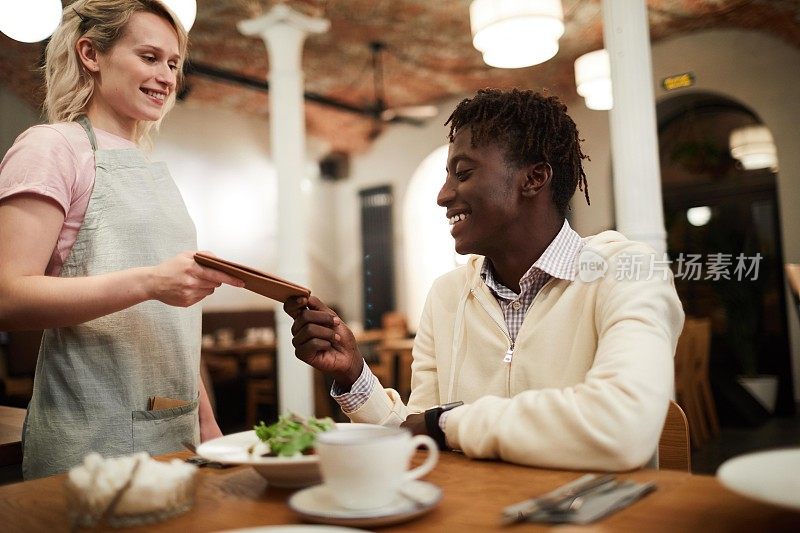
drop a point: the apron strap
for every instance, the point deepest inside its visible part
(83, 120)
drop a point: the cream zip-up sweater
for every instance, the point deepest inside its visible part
(590, 376)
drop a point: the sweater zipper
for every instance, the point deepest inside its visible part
(509, 355)
(549, 281)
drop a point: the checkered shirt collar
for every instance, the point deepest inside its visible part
(558, 261)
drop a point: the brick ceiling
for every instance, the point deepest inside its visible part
(429, 56)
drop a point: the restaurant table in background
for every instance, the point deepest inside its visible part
(11, 419)
(474, 494)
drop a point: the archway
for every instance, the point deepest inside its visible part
(428, 246)
(725, 220)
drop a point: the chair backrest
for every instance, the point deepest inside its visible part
(394, 325)
(793, 277)
(692, 352)
(673, 446)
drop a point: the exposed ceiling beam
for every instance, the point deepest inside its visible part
(193, 68)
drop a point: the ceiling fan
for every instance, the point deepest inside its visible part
(413, 114)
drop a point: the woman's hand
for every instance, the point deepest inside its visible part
(181, 282)
(322, 340)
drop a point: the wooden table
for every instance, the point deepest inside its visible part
(11, 419)
(474, 494)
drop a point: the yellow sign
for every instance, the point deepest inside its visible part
(678, 82)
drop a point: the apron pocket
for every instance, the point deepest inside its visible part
(165, 430)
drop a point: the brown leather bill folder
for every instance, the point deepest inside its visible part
(254, 280)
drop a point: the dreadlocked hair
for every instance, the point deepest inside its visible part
(533, 128)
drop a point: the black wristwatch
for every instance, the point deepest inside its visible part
(432, 416)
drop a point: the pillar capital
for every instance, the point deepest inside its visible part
(282, 15)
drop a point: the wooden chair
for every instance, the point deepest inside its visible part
(395, 355)
(368, 343)
(17, 367)
(260, 391)
(260, 387)
(793, 278)
(692, 383)
(673, 446)
(373, 346)
(394, 325)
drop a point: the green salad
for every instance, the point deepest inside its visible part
(292, 434)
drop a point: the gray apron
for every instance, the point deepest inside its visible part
(93, 380)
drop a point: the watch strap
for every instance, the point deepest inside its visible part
(432, 426)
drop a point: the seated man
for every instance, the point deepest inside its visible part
(556, 366)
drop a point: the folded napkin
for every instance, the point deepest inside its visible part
(597, 505)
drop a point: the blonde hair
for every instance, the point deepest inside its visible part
(69, 87)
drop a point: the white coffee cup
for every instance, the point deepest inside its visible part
(364, 468)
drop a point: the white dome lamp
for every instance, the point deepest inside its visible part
(698, 216)
(30, 21)
(516, 33)
(185, 10)
(753, 147)
(593, 79)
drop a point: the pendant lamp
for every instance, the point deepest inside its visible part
(593, 79)
(185, 10)
(29, 21)
(753, 147)
(516, 33)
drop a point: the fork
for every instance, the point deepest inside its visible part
(201, 461)
(569, 499)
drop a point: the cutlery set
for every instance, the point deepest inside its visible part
(583, 500)
(201, 461)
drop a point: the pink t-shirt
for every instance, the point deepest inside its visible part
(56, 161)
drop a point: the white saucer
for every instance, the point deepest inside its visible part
(315, 504)
(769, 476)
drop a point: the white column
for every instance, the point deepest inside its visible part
(634, 137)
(284, 31)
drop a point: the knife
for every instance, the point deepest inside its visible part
(519, 512)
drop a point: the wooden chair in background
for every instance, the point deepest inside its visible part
(793, 278)
(260, 385)
(692, 383)
(379, 349)
(260, 391)
(673, 447)
(17, 367)
(394, 325)
(395, 354)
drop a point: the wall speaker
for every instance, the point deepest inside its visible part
(334, 166)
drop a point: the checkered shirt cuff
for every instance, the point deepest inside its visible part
(358, 394)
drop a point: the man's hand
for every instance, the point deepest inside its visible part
(322, 340)
(416, 424)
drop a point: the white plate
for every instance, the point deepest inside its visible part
(316, 504)
(770, 476)
(292, 472)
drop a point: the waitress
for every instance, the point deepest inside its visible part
(96, 245)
